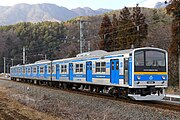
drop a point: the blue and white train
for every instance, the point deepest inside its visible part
(140, 73)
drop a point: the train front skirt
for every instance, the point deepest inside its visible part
(152, 97)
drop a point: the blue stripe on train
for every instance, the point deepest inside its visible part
(79, 75)
(150, 77)
(64, 75)
(130, 72)
(106, 76)
(83, 76)
(94, 76)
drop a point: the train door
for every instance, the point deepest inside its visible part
(71, 71)
(57, 71)
(114, 71)
(89, 71)
(37, 75)
(126, 60)
(45, 71)
(128, 71)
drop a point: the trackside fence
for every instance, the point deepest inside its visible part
(172, 98)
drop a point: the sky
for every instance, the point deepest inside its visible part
(94, 4)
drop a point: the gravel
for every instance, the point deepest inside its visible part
(70, 106)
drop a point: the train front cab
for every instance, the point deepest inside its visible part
(149, 74)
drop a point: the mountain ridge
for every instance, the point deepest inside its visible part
(43, 12)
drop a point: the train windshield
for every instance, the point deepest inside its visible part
(150, 60)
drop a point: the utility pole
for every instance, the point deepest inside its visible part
(24, 55)
(81, 35)
(45, 56)
(12, 61)
(8, 68)
(82, 39)
(89, 46)
(137, 27)
(4, 65)
(179, 51)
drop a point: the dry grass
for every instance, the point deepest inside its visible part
(69, 106)
(173, 90)
(15, 110)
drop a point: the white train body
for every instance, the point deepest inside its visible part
(140, 73)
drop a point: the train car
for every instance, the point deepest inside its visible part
(140, 73)
(41, 70)
(16, 72)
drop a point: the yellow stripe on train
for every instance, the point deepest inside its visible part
(145, 73)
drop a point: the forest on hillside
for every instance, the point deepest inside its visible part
(61, 40)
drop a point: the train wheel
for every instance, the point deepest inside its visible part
(64, 86)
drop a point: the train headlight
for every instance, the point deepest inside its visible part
(163, 77)
(138, 77)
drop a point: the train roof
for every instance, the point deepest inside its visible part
(122, 52)
(42, 61)
(101, 53)
(95, 54)
(92, 53)
(31, 64)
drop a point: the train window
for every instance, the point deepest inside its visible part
(41, 70)
(24, 71)
(103, 66)
(90, 66)
(112, 66)
(29, 70)
(79, 67)
(53, 69)
(139, 58)
(100, 66)
(126, 63)
(19, 70)
(49, 69)
(97, 66)
(117, 66)
(34, 70)
(155, 58)
(63, 68)
(150, 60)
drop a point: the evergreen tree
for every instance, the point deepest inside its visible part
(125, 29)
(114, 32)
(105, 34)
(140, 31)
(174, 9)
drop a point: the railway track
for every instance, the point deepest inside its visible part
(155, 104)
